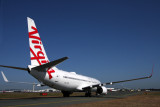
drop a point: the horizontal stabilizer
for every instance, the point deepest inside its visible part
(50, 64)
(26, 69)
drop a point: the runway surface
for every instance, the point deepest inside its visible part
(61, 101)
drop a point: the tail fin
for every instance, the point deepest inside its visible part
(37, 52)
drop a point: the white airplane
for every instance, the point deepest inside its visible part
(47, 73)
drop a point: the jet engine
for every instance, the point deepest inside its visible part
(101, 90)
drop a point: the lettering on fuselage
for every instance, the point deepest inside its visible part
(39, 55)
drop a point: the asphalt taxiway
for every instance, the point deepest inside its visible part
(61, 101)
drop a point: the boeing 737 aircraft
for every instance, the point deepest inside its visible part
(48, 74)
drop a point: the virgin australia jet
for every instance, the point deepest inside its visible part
(48, 74)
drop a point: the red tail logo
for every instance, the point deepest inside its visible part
(39, 56)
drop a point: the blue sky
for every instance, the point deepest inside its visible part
(106, 39)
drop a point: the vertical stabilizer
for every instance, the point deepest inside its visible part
(37, 52)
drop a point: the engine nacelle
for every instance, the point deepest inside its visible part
(101, 90)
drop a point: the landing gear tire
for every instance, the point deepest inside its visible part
(88, 94)
(66, 93)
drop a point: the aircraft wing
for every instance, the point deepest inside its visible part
(111, 83)
(6, 80)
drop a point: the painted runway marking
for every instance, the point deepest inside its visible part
(35, 104)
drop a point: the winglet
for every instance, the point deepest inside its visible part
(4, 77)
(151, 72)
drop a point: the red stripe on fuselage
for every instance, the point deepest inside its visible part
(49, 73)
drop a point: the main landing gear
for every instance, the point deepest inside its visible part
(66, 93)
(88, 93)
